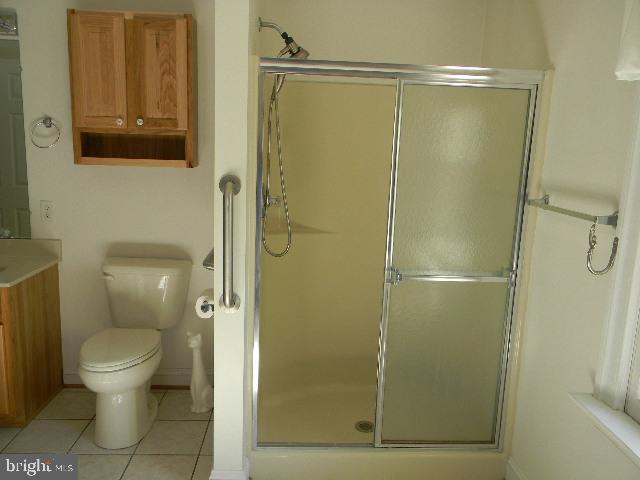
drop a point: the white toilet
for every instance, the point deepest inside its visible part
(145, 295)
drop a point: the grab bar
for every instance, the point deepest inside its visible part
(229, 186)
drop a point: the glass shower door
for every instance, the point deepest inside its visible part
(451, 255)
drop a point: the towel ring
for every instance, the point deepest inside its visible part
(46, 122)
(593, 241)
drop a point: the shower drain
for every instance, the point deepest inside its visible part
(364, 426)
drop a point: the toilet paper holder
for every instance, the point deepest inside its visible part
(208, 261)
(205, 304)
(208, 264)
(207, 307)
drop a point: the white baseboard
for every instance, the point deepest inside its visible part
(513, 472)
(229, 475)
(164, 376)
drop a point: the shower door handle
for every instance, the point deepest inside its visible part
(395, 276)
(229, 186)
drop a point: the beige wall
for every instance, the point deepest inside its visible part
(114, 210)
(588, 144)
(497, 33)
(513, 36)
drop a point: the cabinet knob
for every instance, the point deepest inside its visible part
(119, 121)
(139, 121)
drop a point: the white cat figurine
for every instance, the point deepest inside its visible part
(201, 391)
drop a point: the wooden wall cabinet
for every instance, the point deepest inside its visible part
(30, 347)
(133, 88)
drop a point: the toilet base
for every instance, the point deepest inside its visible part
(125, 406)
(122, 419)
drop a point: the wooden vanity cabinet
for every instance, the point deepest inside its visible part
(132, 88)
(4, 381)
(30, 347)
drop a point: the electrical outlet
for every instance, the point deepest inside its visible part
(46, 210)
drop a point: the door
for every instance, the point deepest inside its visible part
(158, 74)
(14, 195)
(97, 47)
(451, 256)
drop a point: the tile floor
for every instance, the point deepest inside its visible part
(178, 446)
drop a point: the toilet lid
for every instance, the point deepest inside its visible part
(115, 348)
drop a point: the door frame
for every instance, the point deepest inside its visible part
(530, 80)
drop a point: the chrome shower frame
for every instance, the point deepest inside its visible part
(530, 80)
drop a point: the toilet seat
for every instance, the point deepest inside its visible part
(116, 349)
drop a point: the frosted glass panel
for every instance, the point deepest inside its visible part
(444, 349)
(459, 170)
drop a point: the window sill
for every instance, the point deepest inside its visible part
(619, 427)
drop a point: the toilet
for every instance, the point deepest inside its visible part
(146, 295)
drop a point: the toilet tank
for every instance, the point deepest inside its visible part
(146, 292)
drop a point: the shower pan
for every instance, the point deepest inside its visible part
(389, 324)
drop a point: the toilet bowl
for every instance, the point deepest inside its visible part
(118, 364)
(145, 296)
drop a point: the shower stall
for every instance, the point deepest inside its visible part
(389, 321)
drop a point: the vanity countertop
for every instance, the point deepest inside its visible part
(24, 258)
(16, 268)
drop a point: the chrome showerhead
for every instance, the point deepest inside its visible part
(291, 48)
(301, 53)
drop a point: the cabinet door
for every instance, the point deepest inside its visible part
(97, 50)
(157, 56)
(4, 379)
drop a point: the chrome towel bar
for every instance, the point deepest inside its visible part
(545, 204)
(610, 220)
(229, 186)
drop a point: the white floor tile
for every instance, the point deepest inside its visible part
(160, 467)
(47, 436)
(203, 467)
(85, 444)
(102, 467)
(176, 405)
(69, 405)
(6, 435)
(207, 445)
(173, 438)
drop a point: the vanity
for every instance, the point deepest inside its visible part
(30, 337)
